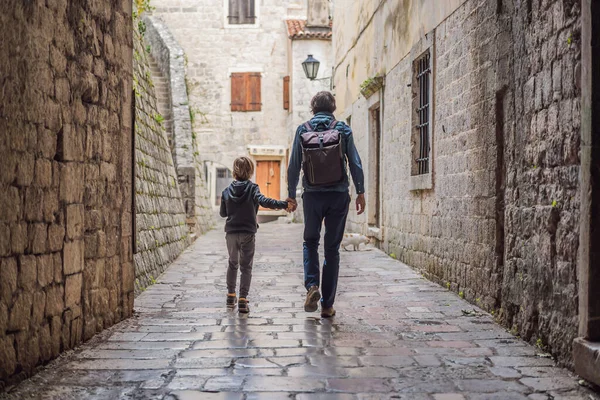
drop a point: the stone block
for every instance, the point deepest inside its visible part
(39, 235)
(20, 312)
(128, 277)
(586, 355)
(70, 143)
(73, 284)
(55, 303)
(8, 166)
(46, 142)
(27, 272)
(75, 221)
(25, 169)
(45, 269)
(10, 205)
(28, 350)
(73, 257)
(56, 237)
(33, 204)
(4, 239)
(56, 334)
(18, 237)
(50, 205)
(58, 267)
(8, 279)
(3, 317)
(39, 307)
(45, 340)
(71, 183)
(8, 356)
(43, 172)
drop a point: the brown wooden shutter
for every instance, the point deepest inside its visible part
(286, 93)
(238, 92)
(253, 92)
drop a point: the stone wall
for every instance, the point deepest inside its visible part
(66, 268)
(500, 225)
(161, 230)
(171, 60)
(541, 129)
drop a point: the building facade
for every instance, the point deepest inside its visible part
(245, 81)
(467, 115)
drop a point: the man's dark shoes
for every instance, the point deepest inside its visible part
(327, 312)
(231, 300)
(312, 299)
(243, 306)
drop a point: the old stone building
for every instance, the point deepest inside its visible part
(468, 115)
(66, 184)
(245, 80)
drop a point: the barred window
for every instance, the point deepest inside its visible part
(422, 103)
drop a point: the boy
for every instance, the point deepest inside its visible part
(239, 203)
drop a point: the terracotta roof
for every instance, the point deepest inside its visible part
(297, 30)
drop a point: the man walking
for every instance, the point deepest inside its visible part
(324, 149)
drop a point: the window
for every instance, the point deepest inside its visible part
(241, 12)
(286, 93)
(422, 114)
(245, 91)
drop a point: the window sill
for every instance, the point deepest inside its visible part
(421, 182)
(242, 26)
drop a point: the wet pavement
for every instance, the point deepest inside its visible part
(396, 336)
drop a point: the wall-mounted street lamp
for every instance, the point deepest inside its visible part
(311, 68)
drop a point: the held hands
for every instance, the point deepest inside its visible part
(292, 204)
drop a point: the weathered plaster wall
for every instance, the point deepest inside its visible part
(500, 225)
(66, 269)
(161, 230)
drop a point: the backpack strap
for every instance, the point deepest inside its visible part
(333, 124)
(308, 126)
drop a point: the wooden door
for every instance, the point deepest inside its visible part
(268, 178)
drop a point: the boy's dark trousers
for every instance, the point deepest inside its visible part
(333, 208)
(240, 246)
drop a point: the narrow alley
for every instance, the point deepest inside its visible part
(396, 336)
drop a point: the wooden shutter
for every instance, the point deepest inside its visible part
(253, 92)
(238, 92)
(286, 93)
(234, 12)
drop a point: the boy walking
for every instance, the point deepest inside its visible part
(239, 203)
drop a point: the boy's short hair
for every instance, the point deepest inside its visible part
(322, 101)
(243, 169)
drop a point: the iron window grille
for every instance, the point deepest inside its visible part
(423, 71)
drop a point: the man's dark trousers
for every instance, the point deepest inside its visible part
(333, 208)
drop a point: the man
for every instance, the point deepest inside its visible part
(327, 201)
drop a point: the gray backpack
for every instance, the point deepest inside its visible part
(322, 156)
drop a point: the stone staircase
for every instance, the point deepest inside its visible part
(163, 98)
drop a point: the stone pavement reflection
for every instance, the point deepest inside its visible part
(396, 336)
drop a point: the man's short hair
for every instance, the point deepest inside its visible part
(243, 169)
(322, 101)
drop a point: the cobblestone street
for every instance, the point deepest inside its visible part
(396, 336)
